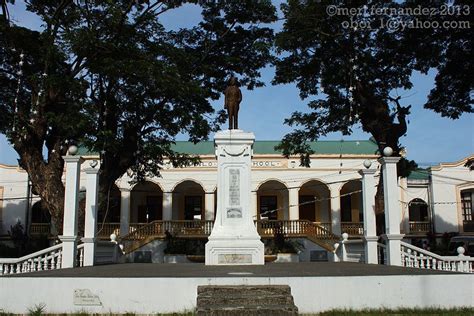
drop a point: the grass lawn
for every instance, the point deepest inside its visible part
(336, 312)
(400, 312)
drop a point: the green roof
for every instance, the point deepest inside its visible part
(352, 147)
(419, 174)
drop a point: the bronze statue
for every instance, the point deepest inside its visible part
(233, 96)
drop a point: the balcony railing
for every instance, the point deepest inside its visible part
(419, 227)
(353, 228)
(104, 231)
(40, 229)
(200, 228)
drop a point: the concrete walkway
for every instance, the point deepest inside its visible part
(190, 270)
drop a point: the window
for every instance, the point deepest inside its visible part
(466, 205)
(466, 209)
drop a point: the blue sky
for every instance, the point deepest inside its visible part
(430, 138)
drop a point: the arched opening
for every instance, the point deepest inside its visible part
(418, 211)
(188, 201)
(40, 213)
(146, 203)
(314, 202)
(352, 216)
(40, 219)
(418, 217)
(272, 201)
(466, 210)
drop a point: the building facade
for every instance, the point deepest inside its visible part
(328, 192)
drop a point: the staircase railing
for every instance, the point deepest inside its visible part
(155, 229)
(46, 259)
(299, 228)
(322, 236)
(415, 257)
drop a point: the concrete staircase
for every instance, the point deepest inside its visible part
(248, 300)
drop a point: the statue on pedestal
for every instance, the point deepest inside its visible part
(233, 96)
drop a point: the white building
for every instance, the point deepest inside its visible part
(436, 200)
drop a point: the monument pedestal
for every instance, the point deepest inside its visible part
(234, 240)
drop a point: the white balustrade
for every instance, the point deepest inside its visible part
(415, 257)
(46, 259)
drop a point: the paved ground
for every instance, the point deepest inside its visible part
(308, 269)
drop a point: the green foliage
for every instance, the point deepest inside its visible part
(18, 237)
(22, 243)
(37, 310)
(4, 313)
(108, 75)
(351, 74)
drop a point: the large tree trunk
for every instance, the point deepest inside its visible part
(380, 123)
(46, 178)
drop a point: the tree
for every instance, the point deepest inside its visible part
(108, 75)
(350, 60)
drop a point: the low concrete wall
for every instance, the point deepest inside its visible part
(165, 295)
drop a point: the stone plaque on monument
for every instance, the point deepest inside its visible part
(234, 184)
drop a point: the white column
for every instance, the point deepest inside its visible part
(392, 209)
(167, 206)
(90, 226)
(124, 211)
(294, 201)
(368, 200)
(335, 209)
(71, 203)
(209, 204)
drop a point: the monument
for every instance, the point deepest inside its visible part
(234, 240)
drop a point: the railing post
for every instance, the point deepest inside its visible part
(368, 200)
(392, 208)
(69, 237)
(90, 226)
